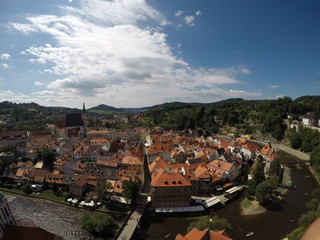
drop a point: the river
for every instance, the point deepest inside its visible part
(273, 224)
(61, 220)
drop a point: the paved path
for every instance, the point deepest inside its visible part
(296, 153)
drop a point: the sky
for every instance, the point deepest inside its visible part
(137, 53)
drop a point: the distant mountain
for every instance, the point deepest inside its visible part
(104, 108)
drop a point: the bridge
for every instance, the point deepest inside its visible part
(294, 162)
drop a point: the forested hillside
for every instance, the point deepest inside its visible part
(27, 116)
(247, 116)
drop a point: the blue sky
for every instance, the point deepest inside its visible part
(135, 53)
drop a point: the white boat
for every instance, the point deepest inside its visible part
(249, 234)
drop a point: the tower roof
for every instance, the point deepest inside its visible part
(74, 120)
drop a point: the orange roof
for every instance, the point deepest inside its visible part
(218, 164)
(205, 234)
(159, 162)
(266, 149)
(202, 172)
(165, 178)
(81, 167)
(111, 163)
(60, 161)
(118, 187)
(132, 160)
(20, 172)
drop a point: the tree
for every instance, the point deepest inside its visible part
(48, 157)
(214, 223)
(295, 139)
(102, 190)
(99, 224)
(131, 190)
(9, 148)
(55, 188)
(258, 173)
(264, 192)
(315, 157)
(275, 167)
(26, 188)
(66, 195)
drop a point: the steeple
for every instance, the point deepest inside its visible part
(83, 109)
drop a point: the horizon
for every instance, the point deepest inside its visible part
(150, 106)
(132, 54)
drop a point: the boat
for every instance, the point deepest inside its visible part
(168, 235)
(249, 234)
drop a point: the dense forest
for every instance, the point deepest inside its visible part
(247, 116)
(28, 116)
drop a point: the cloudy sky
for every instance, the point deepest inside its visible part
(135, 53)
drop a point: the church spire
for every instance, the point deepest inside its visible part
(83, 109)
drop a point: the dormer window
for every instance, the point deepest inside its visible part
(165, 182)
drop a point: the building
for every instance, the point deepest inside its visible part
(170, 189)
(205, 234)
(308, 119)
(133, 163)
(74, 126)
(6, 216)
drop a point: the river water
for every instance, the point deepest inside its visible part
(273, 224)
(61, 220)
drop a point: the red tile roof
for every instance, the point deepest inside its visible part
(166, 178)
(205, 234)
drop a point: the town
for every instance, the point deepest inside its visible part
(174, 171)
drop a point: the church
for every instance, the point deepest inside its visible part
(74, 125)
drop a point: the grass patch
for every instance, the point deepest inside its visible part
(52, 196)
(245, 203)
(13, 190)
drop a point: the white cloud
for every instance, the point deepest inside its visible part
(280, 96)
(102, 54)
(245, 70)
(36, 83)
(198, 13)
(5, 65)
(272, 86)
(8, 95)
(178, 13)
(5, 56)
(189, 20)
(22, 27)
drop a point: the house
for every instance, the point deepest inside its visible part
(170, 189)
(133, 163)
(205, 234)
(78, 187)
(225, 170)
(38, 176)
(157, 164)
(308, 119)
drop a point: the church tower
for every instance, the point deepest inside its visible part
(84, 117)
(83, 109)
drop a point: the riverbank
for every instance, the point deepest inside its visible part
(56, 202)
(251, 207)
(289, 150)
